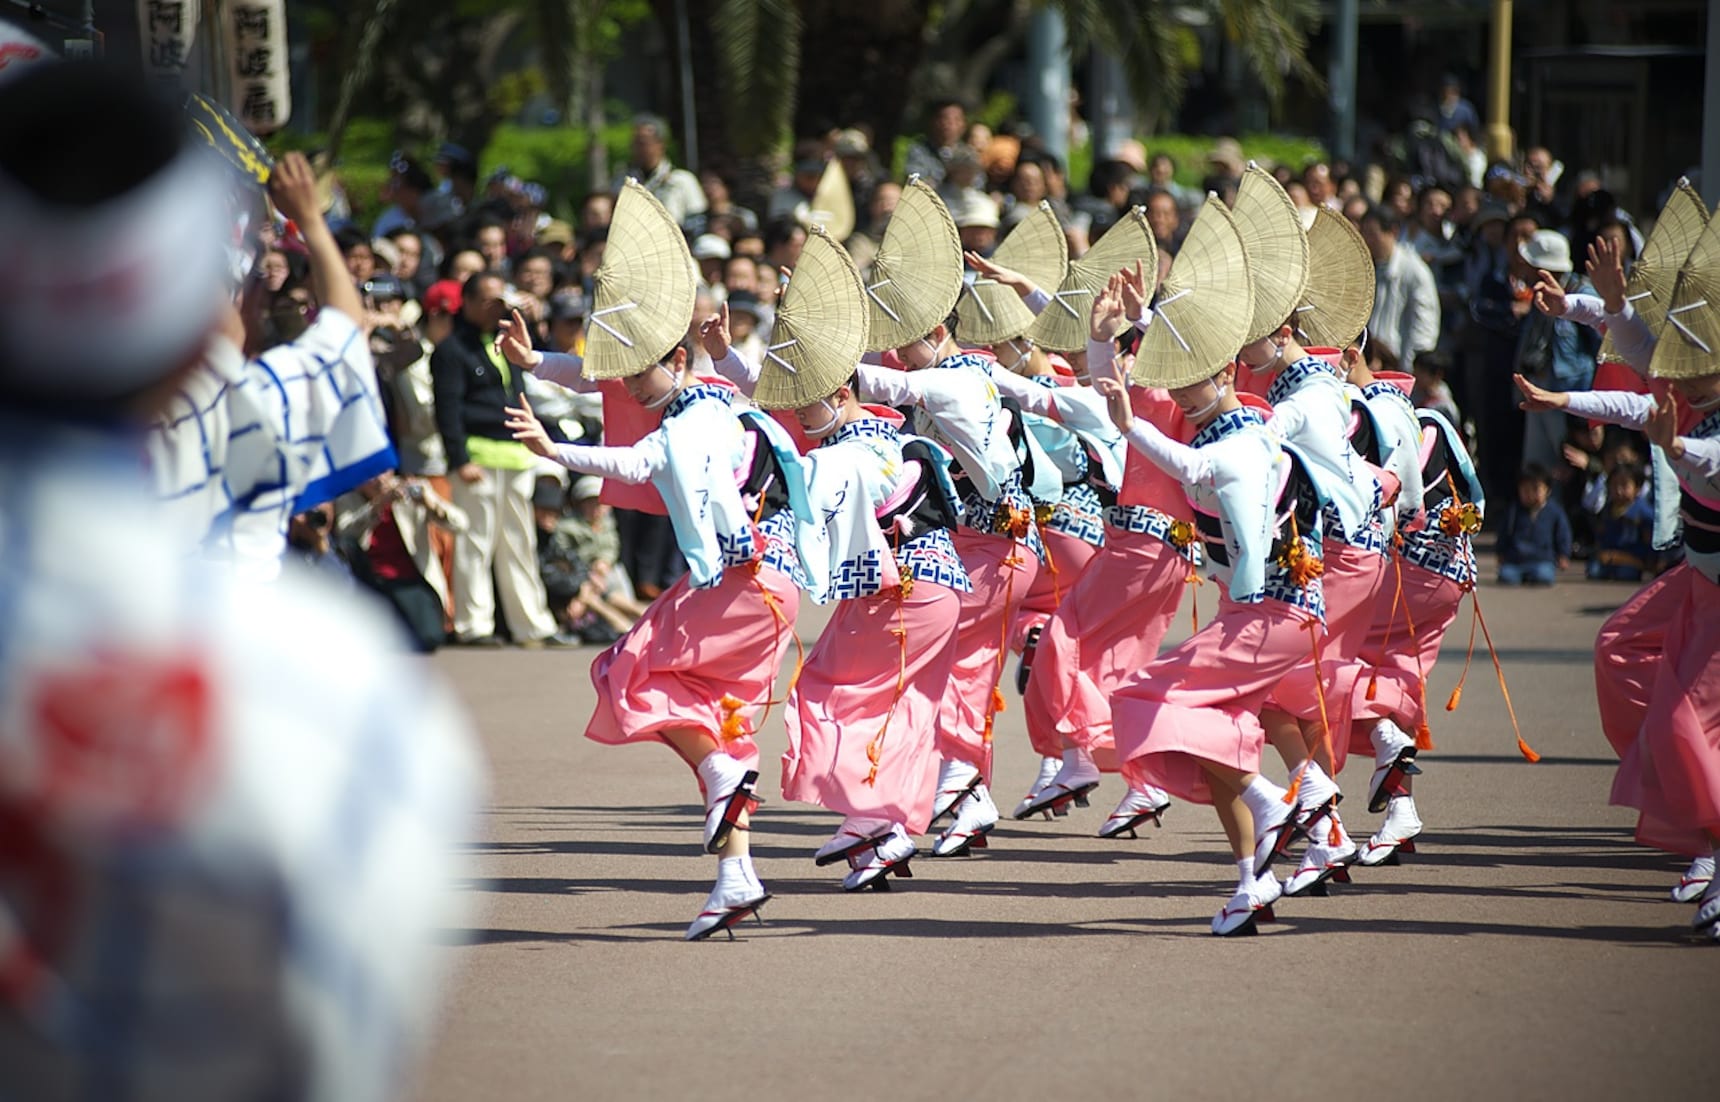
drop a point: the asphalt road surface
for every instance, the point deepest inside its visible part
(1527, 951)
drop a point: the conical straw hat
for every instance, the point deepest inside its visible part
(820, 331)
(917, 276)
(1689, 343)
(1201, 315)
(1277, 248)
(1037, 248)
(1649, 287)
(644, 289)
(1340, 295)
(1062, 326)
(833, 203)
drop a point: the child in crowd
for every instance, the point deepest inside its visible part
(1432, 391)
(1535, 543)
(1624, 531)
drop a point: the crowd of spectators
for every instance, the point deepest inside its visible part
(1459, 245)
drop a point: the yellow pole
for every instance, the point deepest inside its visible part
(1500, 141)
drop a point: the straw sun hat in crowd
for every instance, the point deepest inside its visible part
(1689, 345)
(832, 203)
(1340, 296)
(1277, 248)
(644, 289)
(820, 330)
(917, 276)
(1649, 287)
(1063, 325)
(1204, 307)
(1037, 248)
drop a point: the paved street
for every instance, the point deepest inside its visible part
(1527, 952)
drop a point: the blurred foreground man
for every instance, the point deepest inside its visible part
(227, 812)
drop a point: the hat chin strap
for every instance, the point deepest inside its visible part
(829, 427)
(674, 388)
(1703, 407)
(1218, 396)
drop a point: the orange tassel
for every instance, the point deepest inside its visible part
(1295, 788)
(734, 724)
(1333, 837)
(1523, 747)
(1423, 736)
(1527, 751)
(1373, 686)
(1195, 580)
(1451, 701)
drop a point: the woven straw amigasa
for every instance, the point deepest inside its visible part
(1649, 287)
(820, 330)
(1277, 249)
(645, 287)
(917, 276)
(1037, 248)
(1340, 297)
(1201, 315)
(1062, 325)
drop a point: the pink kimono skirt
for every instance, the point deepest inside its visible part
(1002, 571)
(1353, 576)
(1107, 629)
(1199, 702)
(1066, 562)
(1628, 654)
(1391, 660)
(693, 648)
(1671, 772)
(863, 701)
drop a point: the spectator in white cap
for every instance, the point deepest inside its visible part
(712, 253)
(976, 220)
(1554, 353)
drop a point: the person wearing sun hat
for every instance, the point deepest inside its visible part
(1108, 620)
(1670, 773)
(1188, 720)
(707, 650)
(1629, 645)
(1311, 409)
(912, 293)
(1376, 696)
(862, 717)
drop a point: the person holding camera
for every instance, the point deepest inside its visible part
(492, 478)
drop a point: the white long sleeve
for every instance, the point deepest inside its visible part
(1036, 300)
(1029, 395)
(1102, 361)
(565, 370)
(738, 370)
(634, 464)
(1631, 336)
(1699, 466)
(1617, 407)
(1182, 462)
(887, 385)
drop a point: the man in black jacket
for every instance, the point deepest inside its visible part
(491, 476)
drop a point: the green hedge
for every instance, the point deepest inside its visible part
(555, 157)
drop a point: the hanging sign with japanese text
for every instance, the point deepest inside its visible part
(257, 55)
(168, 27)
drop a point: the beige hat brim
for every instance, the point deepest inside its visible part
(833, 202)
(1340, 293)
(1649, 288)
(1038, 249)
(917, 276)
(1063, 325)
(645, 287)
(1277, 248)
(820, 330)
(1689, 345)
(1201, 315)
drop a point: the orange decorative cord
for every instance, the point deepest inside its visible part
(904, 586)
(997, 703)
(1313, 626)
(1181, 535)
(1468, 521)
(1391, 622)
(1194, 581)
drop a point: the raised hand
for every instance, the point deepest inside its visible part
(293, 187)
(1116, 397)
(1549, 294)
(1606, 272)
(1535, 399)
(714, 333)
(997, 273)
(514, 338)
(1108, 317)
(528, 430)
(1662, 427)
(1137, 292)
